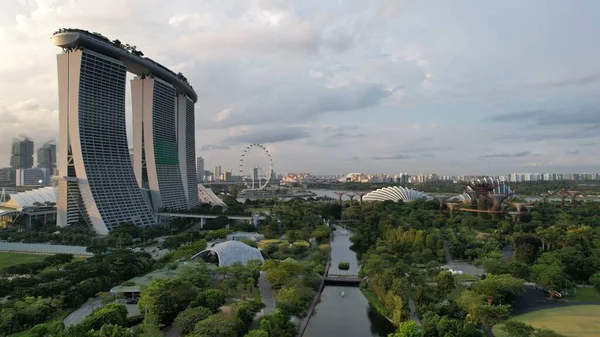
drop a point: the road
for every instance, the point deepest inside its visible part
(462, 266)
(413, 311)
(266, 294)
(78, 315)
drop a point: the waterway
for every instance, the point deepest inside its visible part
(349, 315)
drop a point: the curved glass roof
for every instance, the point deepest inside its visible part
(230, 252)
(396, 193)
(28, 198)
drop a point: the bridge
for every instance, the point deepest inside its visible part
(252, 219)
(342, 280)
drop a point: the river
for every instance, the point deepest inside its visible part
(349, 315)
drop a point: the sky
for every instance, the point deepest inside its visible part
(387, 86)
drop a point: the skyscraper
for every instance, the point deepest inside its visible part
(46, 157)
(200, 169)
(217, 173)
(22, 153)
(99, 182)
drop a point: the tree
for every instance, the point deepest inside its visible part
(407, 329)
(489, 315)
(110, 330)
(595, 281)
(514, 328)
(445, 283)
(343, 266)
(551, 276)
(214, 299)
(115, 314)
(164, 298)
(57, 260)
(187, 319)
(499, 289)
(257, 333)
(547, 333)
(217, 325)
(289, 301)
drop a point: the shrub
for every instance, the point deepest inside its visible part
(344, 266)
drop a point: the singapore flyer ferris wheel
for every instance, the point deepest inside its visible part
(256, 166)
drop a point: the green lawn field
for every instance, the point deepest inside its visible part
(572, 321)
(12, 259)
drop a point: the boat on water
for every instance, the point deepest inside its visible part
(342, 294)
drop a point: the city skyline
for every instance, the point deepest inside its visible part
(349, 87)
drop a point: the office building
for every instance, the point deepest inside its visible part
(46, 157)
(217, 173)
(32, 176)
(200, 169)
(21, 153)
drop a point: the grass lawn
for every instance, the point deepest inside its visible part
(573, 321)
(13, 259)
(465, 278)
(584, 294)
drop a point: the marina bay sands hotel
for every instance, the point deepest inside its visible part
(98, 183)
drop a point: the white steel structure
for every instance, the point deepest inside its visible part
(260, 174)
(396, 193)
(96, 181)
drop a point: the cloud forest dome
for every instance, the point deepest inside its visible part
(396, 193)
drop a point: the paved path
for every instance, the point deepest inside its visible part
(462, 266)
(266, 294)
(413, 311)
(78, 315)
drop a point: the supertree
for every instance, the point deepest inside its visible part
(498, 195)
(564, 193)
(479, 190)
(340, 195)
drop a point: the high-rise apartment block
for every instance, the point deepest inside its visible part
(21, 153)
(99, 182)
(200, 169)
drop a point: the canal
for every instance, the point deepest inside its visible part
(349, 315)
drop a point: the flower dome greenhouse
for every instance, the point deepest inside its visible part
(396, 193)
(230, 252)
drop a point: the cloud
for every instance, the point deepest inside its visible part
(222, 115)
(507, 155)
(211, 147)
(573, 152)
(394, 157)
(573, 81)
(546, 117)
(289, 104)
(269, 135)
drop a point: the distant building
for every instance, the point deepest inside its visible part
(22, 153)
(6, 175)
(46, 157)
(32, 177)
(200, 168)
(217, 173)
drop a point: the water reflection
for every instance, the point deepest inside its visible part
(349, 314)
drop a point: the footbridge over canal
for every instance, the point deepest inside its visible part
(342, 280)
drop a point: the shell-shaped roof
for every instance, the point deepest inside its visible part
(28, 198)
(460, 197)
(396, 193)
(230, 252)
